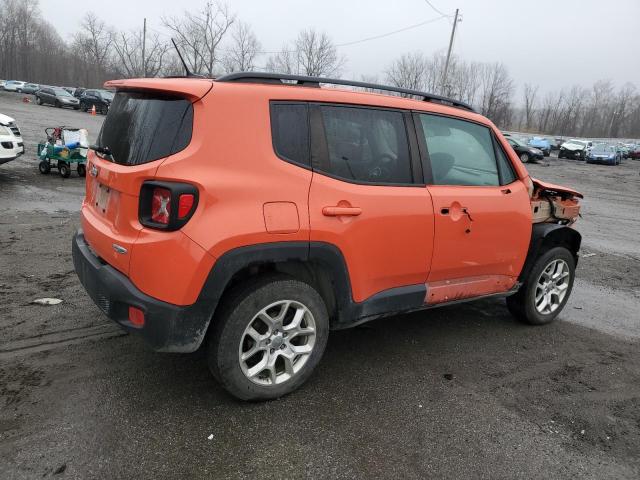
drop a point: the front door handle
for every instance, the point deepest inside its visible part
(341, 211)
(456, 211)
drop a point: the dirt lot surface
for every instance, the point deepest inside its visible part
(456, 392)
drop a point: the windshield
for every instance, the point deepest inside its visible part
(577, 142)
(515, 141)
(106, 94)
(603, 149)
(61, 92)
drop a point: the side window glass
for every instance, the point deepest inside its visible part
(366, 145)
(507, 175)
(461, 152)
(290, 132)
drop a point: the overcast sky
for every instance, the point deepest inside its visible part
(553, 43)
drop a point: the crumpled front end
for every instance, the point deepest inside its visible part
(554, 204)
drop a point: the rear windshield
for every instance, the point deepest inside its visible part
(143, 127)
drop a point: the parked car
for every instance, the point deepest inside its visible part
(2, 83)
(14, 86)
(524, 151)
(100, 98)
(574, 149)
(56, 96)
(557, 142)
(11, 143)
(628, 148)
(542, 144)
(31, 88)
(344, 207)
(635, 153)
(603, 153)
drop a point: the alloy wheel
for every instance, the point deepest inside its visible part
(277, 342)
(552, 286)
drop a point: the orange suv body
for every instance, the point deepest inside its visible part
(200, 189)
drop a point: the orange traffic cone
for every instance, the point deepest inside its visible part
(93, 109)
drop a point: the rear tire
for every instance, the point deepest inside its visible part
(82, 170)
(63, 168)
(260, 317)
(546, 289)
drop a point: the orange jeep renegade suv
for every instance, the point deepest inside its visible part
(257, 212)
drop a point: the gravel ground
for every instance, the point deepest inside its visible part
(456, 392)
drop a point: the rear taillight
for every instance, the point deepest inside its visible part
(185, 203)
(167, 205)
(161, 205)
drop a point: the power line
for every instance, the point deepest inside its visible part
(410, 27)
(345, 44)
(436, 10)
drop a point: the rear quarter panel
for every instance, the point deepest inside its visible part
(237, 173)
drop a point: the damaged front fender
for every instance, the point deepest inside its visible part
(552, 203)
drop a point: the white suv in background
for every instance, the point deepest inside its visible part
(11, 143)
(14, 85)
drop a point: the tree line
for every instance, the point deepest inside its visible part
(213, 41)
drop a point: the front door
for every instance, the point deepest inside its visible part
(367, 197)
(482, 211)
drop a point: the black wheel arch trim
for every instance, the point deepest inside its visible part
(549, 235)
(313, 255)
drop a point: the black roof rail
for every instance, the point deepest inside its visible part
(301, 80)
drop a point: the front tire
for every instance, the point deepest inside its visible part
(82, 170)
(546, 289)
(524, 157)
(268, 337)
(38, 100)
(44, 166)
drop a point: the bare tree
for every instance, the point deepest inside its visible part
(530, 96)
(93, 43)
(409, 71)
(131, 63)
(316, 54)
(312, 54)
(241, 55)
(496, 88)
(199, 36)
(283, 62)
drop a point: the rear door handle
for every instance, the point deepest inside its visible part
(341, 211)
(506, 191)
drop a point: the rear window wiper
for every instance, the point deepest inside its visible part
(102, 150)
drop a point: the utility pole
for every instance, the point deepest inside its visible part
(144, 45)
(446, 65)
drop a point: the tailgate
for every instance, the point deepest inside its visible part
(110, 209)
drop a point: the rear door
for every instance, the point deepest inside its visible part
(141, 129)
(482, 210)
(368, 198)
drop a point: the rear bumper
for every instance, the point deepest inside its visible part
(167, 327)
